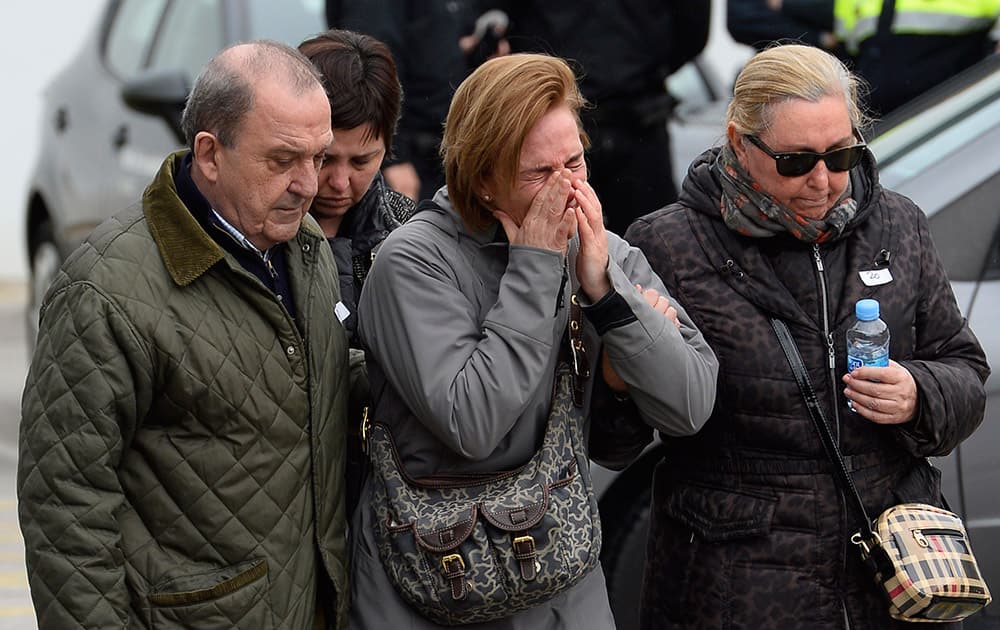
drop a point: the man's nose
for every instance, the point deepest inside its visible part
(305, 181)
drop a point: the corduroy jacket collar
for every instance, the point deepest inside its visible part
(187, 250)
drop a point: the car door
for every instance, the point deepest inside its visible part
(188, 33)
(88, 117)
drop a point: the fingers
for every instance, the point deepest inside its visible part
(885, 395)
(551, 199)
(586, 197)
(661, 304)
(548, 223)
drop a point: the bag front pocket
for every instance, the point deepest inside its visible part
(489, 559)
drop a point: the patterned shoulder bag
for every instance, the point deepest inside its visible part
(919, 555)
(466, 548)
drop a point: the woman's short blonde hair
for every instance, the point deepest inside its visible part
(791, 71)
(490, 115)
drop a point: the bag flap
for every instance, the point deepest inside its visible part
(517, 511)
(444, 531)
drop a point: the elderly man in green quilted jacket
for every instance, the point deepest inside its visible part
(183, 421)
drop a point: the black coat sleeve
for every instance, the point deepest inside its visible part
(949, 365)
(751, 22)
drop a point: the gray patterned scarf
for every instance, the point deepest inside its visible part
(749, 210)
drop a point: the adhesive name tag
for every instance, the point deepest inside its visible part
(875, 277)
(341, 311)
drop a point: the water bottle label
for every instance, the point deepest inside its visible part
(855, 362)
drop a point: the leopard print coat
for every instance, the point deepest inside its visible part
(748, 527)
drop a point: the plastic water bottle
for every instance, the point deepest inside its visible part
(867, 339)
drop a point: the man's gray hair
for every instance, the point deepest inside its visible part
(223, 94)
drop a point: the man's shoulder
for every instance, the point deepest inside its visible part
(116, 240)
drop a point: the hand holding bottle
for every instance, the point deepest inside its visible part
(884, 395)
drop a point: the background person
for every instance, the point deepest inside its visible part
(467, 303)
(424, 38)
(354, 206)
(748, 523)
(183, 419)
(903, 48)
(760, 23)
(624, 52)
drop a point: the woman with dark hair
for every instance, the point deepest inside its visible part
(354, 206)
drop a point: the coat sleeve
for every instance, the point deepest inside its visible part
(671, 372)
(78, 412)
(689, 33)
(751, 22)
(948, 365)
(467, 379)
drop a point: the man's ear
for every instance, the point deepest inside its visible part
(205, 156)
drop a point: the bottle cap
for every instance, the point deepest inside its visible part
(866, 310)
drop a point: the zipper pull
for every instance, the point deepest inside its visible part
(831, 353)
(819, 259)
(920, 538)
(562, 289)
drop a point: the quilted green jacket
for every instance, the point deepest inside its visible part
(182, 443)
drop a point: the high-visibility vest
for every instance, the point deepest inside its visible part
(857, 20)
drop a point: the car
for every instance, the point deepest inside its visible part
(941, 151)
(113, 114)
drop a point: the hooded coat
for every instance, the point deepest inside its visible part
(749, 528)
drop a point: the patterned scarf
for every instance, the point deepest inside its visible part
(749, 210)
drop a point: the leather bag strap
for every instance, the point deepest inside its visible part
(822, 427)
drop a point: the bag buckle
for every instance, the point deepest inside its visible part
(527, 557)
(857, 539)
(454, 572)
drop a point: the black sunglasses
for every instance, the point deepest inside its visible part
(794, 164)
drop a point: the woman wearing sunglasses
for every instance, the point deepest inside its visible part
(788, 220)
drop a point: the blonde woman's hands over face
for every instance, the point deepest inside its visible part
(549, 222)
(592, 263)
(890, 400)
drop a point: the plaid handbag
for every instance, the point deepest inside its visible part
(919, 555)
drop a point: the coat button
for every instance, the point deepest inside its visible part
(306, 247)
(290, 350)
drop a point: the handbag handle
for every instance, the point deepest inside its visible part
(819, 420)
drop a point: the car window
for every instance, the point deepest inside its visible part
(130, 35)
(290, 21)
(965, 233)
(945, 159)
(192, 32)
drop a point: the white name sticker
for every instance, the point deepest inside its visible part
(341, 311)
(875, 277)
